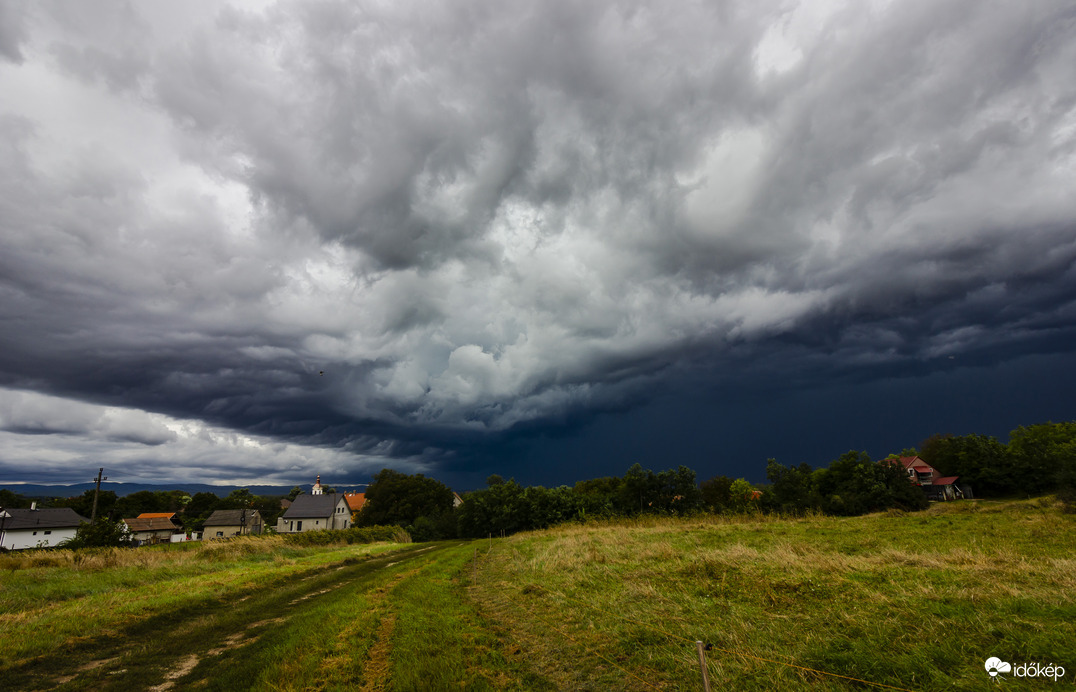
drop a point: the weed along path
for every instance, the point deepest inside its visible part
(344, 618)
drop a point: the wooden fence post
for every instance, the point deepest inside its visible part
(702, 664)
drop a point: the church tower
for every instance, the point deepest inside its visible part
(316, 490)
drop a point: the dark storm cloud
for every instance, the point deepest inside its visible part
(422, 235)
(12, 30)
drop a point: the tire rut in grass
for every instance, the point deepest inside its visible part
(376, 670)
(159, 651)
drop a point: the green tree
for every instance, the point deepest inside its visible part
(400, 499)
(240, 498)
(145, 501)
(853, 484)
(678, 492)
(199, 508)
(598, 496)
(791, 488)
(268, 507)
(979, 460)
(502, 507)
(83, 504)
(551, 506)
(1037, 454)
(716, 493)
(639, 491)
(1066, 476)
(105, 533)
(13, 500)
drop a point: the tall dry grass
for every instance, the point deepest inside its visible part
(144, 557)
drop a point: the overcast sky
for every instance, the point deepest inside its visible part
(254, 242)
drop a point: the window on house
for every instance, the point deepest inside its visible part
(48, 532)
(299, 526)
(220, 534)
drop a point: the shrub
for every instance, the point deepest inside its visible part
(102, 534)
(356, 534)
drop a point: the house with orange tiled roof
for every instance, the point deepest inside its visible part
(170, 516)
(355, 500)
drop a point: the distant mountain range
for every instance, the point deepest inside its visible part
(122, 489)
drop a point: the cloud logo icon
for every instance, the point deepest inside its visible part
(995, 665)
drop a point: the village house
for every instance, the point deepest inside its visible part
(226, 523)
(934, 485)
(355, 501)
(316, 512)
(37, 528)
(151, 528)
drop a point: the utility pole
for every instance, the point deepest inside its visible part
(96, 492)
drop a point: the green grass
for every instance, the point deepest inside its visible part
(918, 601)
(915, 601)
(42, 608)
(441, 640)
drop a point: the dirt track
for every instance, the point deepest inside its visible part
(188, 647)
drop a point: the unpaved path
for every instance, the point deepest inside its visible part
(180, 649)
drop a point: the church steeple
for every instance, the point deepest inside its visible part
(316, 490)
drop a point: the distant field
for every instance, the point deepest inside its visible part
(913, 601)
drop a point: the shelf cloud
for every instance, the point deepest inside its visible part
(439, 237)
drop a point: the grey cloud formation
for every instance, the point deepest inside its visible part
(413, 234)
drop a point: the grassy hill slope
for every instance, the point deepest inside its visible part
(916, 601)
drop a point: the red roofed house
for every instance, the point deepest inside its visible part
(355, 501)
(170, 516)
(936, 486)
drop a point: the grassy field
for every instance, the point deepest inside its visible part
(911, 601)
(914, 601)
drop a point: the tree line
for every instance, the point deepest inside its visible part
(1038, 459)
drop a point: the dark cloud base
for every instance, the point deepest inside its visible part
(544, 241)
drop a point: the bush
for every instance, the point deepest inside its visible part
(356, 534)
(102, 534)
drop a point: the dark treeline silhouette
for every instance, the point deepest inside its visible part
(1039, 459)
